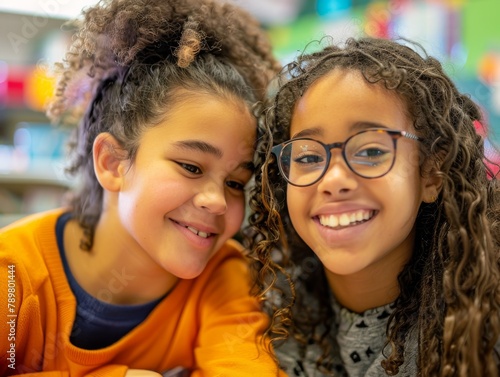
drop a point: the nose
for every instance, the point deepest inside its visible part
(212, 198)
(339, 179)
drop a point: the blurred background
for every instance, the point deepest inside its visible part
(463, 34)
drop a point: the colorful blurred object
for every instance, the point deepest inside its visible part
(489, 68)
(378, 20)
(492, 155)
(40, 86)
(25, 87)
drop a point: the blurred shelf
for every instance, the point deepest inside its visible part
(19, 181)
(41, 187)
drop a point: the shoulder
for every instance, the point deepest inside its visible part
(31, 225)
(231, 248)
(29, 244)
(30, 234)
(226, 276)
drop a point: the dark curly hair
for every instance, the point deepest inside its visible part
(450, 289)
(126, 63)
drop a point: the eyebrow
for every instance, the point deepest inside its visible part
(201, 146)
(309, 132)
(318, 131)
(204, 147)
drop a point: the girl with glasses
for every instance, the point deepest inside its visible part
(138, 274)
(375, 221)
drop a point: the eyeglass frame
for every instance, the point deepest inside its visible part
(394, 134)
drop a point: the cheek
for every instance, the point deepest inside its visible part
(150, 198)
(298, 203)
(400, 189)
(404, 180)
(407, 164)
(296, 199)
(402, 194)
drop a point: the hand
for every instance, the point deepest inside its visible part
(141, 373)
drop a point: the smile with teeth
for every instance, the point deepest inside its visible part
(346, 219)
(199, 232)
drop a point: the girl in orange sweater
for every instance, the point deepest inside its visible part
(138, 275)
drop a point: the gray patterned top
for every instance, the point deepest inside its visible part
(360, 339)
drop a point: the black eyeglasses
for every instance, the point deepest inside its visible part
(370, 154)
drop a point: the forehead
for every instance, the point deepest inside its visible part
(344, 97)
(226, 123)
(182, 98)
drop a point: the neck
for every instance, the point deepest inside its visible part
(374, 285)
(360, 293)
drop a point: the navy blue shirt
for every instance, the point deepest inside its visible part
(97, 323)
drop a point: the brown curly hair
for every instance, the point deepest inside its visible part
(450, 289)
(127, 60)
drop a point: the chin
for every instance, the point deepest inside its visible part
(190, 273)
(343, 268)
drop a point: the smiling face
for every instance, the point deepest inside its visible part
(353, 224)
(183, 195)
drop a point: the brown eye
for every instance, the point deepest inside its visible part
(235, 185)
(190, 168)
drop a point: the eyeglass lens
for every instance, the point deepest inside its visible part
(369, 154)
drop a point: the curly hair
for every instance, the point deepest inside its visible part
(449, 290)
(125, 66)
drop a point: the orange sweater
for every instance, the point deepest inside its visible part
(209, 324)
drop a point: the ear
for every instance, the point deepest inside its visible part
(432, 182)
(108, 161)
